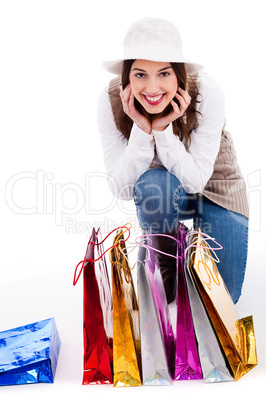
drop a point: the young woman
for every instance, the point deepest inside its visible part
(162, 125)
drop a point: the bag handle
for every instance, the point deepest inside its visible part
(207, 237)
(77, 276)
(125, 258)
(178, 242)
(192, 232)
(199, 232)
(209, 273)
(155, 249)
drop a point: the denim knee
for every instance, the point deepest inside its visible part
(158, 196)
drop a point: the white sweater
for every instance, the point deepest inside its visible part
(126, 160)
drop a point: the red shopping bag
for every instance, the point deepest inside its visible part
(97, 313)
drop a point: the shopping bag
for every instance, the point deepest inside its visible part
(97, 314)
(236, 335)
(157, 336)
(214, 365)
(29, 353)
(187, 363)
(126, 332)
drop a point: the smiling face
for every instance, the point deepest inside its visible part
(154, 84)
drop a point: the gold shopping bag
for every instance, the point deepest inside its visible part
(236, 336)
(126, 332)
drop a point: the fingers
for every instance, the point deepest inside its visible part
(125, 92)
(185, 96)
(184, 101)
(127, 98)
(128, 102)
(176, 108)
(131, 101)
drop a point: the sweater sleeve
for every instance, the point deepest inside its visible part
(194, 166)
(125, 160)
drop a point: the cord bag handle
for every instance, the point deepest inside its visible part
(88, 258)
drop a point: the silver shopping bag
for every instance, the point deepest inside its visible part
(214, 364)
(157, 336)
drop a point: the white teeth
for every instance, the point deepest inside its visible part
(154, 98)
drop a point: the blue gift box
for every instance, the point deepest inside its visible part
(29, 354)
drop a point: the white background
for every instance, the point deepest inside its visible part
(53, 189)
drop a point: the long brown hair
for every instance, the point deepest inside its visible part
(183, 126)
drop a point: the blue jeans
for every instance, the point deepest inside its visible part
(161, 202)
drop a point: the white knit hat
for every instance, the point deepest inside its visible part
(152, 39)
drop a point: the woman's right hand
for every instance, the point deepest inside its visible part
(127, 98)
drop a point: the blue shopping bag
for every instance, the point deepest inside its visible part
(29, 354)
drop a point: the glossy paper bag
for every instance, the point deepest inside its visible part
(236, 335)
(97, 315)
(126, 332)
(29, 354)
(157, 336)
(187, 363)
(214, 365)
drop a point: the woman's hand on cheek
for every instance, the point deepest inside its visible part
(184, 99)
(127, 98)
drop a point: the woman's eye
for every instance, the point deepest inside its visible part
(165, 74)
(140, 75)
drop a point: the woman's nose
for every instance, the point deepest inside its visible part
(152, 86)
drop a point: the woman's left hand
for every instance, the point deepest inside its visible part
(184, 99)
